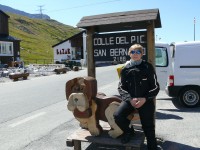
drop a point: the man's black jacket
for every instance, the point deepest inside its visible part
(138, 81)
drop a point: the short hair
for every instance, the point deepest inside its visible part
(134, 47)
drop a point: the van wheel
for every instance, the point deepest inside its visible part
(190, 97)
(177, 103)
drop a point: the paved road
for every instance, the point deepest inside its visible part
(34, 114)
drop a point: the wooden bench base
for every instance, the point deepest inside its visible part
(16, 77)
(82, 135)
(61, 70)
(76, 68)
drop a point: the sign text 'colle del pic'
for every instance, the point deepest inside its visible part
(115, 46)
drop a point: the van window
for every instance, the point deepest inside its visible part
(161, 57)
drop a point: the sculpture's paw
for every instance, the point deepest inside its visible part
(94, 131)
(114, 133)
(83, 125)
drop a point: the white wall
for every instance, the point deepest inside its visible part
(66, 46)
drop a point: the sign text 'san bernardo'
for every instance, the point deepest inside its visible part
(115, 46)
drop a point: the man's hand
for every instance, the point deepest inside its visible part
(138, 102)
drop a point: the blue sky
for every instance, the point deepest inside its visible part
(177, 16)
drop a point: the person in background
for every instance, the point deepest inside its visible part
(21, 65)
(138, 88)
(16, 64)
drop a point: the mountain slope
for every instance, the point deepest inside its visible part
(37, 36)
(22, 13)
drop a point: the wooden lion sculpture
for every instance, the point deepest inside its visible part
(89, 107)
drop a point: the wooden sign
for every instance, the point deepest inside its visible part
(115, 46)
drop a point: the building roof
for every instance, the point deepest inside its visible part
(4, 13)
(74, 36)
(8, 38)
(130, 20)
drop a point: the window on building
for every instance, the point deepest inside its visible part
(6, 48)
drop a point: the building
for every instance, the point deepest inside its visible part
(9, 46)
(73, 48)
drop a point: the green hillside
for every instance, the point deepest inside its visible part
(37, 36)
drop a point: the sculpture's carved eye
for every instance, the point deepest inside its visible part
(76, 88)
(81, 88)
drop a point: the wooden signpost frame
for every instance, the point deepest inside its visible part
(132, 20)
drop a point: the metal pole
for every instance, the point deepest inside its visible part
(194, 28)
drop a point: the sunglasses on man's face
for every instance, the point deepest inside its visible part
(136, 52)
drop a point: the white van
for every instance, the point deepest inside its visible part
(163, 63)
(184, 81)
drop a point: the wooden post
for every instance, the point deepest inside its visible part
(90, 53)
(151, 43)
(151, 50)
(77, 145)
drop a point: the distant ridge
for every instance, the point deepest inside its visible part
(22, 13)
(37, 35)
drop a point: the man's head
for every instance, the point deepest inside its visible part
(136, 52)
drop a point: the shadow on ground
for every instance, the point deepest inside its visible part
(169, 145)
(162, 145)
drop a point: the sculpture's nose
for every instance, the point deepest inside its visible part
(76, 100)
